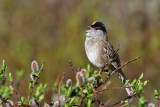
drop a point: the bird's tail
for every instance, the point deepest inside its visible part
(123, 78)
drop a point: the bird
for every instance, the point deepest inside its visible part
(101, 53)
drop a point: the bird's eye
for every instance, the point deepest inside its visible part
(97, 28)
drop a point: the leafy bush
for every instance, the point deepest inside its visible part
(85, 92)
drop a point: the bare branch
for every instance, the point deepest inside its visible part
(81, 100)
(73, 69)
(119, 102)
(5, 101)
(113, 88)
(59, 87)
(113, 72)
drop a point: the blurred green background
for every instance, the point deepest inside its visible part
(54, 31)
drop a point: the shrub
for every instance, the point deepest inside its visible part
(84, 93)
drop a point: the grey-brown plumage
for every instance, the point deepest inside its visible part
(100, 52)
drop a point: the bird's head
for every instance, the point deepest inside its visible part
(97, 29)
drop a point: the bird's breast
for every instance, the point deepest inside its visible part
(94, 52)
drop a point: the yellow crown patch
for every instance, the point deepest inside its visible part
(94, 22)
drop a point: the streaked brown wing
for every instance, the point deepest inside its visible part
(109, 52)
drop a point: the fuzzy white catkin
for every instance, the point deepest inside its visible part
(80, 79)
(84, 72)
(46, 105)
(62, 100)
(34, 66)
(56, 104)
(91, 80)
(151, 105)
(33, 102)
(69, 82)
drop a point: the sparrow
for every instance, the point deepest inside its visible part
(101, 53)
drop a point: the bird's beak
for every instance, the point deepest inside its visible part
(89, 26)
(89, 29)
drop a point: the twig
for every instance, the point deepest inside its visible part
(59, 87)
(113, 88)
(124, 105)
(41, 69)
(105, 69)
(99, 102)
(29, 96)
(5, 101)
(24, 105)
(158, 104)
(70, 63)
(118, 102)
(96, 97)
(113, 72)
(81, 101)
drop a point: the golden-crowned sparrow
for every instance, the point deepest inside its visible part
(101, 53)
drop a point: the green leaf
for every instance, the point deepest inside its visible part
(145, 82)
(96, 75)
(10, 78)
(11, 88)
(85, 91)
(126, 101)
(6, 92)
(3, 64)
(40, 92)
(69, 92)
(127, 82)
(72, 102)
(90, 89)
(90, 95)
(122, 102)
(88, 70)
(40, 99)
(141, 77)
(30, 85)
(142, 102)
(156, 94)
(139, 84)
(133, 82)
(1, 71)
(3, 67)
(89, 103)
(36, 74)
